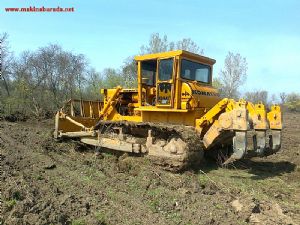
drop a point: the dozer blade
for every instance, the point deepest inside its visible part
(259, 142)
(275, 140)
(239, 147)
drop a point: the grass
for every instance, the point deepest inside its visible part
(101, 218)
(11, 203)
(157, 192)
(87, 179)
(175, 217)
(108, 154)
(112, 194)
(243, 182)
(134, 185)
(39, 177)
(155, 197)
(218, 206)
(154, 205)
(17, 196)
(78, 222)
(203, 180)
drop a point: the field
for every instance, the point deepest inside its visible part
(48, 182)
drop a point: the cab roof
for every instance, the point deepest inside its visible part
(181, 53)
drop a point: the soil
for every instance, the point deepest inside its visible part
(49, 182)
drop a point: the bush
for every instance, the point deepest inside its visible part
(293, 106)
(293, 102)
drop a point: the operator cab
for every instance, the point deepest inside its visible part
(161, 76)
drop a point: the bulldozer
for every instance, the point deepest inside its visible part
(174, 115)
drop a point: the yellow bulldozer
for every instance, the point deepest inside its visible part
(174, 115)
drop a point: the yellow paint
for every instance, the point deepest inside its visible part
(274, 117)
(258, 115)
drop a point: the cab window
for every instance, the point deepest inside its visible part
(149, 72)
(195, 71)
(165, 70)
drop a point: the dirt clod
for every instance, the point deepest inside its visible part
(237, 206)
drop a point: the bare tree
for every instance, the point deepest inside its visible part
(6, 60)
(282, 96)
(47, 77)
(129, 72)
(216, 83)
(161, 44)
(93, 84)
(273, 99)
(189, 45)
(156, 44)
(233, 75)
(257, 96)
(112, 78)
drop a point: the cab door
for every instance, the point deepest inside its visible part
(165, 82)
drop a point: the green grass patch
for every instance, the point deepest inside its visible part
(78, 222)
(175, 217)
(11, 203)
(154, 205)
(101, 218)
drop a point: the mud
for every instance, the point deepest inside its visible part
(48, 182)
(14, 117)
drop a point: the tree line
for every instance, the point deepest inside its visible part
(38, 82)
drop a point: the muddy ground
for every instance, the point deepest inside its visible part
(47, 182)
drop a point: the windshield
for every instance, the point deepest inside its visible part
(195, 71)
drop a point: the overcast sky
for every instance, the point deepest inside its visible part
(266, 32)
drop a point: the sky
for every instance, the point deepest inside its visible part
(266, 32)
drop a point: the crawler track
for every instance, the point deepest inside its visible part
(164, 137)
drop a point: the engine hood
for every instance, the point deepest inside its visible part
(199, 96)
